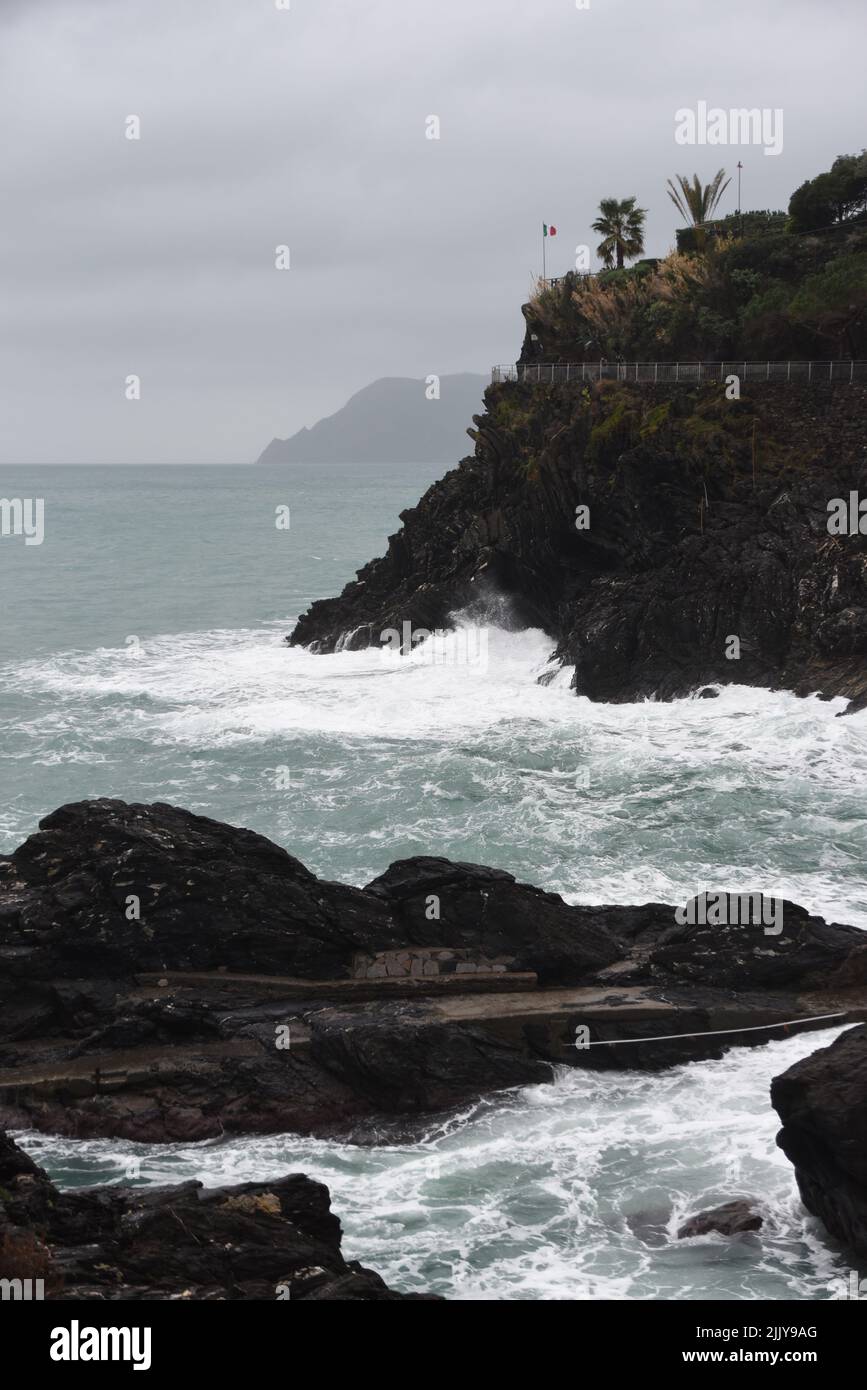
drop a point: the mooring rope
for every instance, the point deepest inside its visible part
(716, 1033)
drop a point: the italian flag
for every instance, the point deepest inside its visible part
(548, 231)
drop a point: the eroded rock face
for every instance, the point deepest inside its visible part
(277, 1240)
(707, 519)
(822, 1102)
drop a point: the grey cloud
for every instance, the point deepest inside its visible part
(307, 127)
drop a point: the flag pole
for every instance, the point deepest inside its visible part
(544, 259)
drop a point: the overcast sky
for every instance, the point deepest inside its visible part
(307, 127)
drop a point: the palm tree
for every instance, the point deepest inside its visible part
(621, 225)
(697, 202)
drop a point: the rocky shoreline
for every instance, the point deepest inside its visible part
(257, 1241)
(706, 519)
(165, 977)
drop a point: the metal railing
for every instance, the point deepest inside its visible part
(552, 373)
(576, 276)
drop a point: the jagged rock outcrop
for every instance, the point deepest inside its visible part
(276, 1240)
(822, 1102)
(167, 977)
(487, 910)
(708, 519)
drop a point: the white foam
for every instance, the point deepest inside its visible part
(392, 754)
(250, 685)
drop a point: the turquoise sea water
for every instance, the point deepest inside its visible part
(141, 656)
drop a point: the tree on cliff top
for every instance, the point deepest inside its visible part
(621, 226)
(836, 196)
(696, 202)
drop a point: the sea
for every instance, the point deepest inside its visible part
(142, 656)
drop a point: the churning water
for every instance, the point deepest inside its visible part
(141, 656)
(573, 1190)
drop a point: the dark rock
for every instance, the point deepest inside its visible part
(855, 706)
(157, 1040)
(255, 1241)
(822, 1102)
(209, 895)
(487, 910)
(213, 896)
(404, 1061)
(807, 952)
(731, 1219)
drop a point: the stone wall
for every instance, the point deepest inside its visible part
(428, 960)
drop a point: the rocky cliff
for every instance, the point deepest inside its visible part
(705, 520)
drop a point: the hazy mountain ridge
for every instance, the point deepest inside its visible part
(390, 421)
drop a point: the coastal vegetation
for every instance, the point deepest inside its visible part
(758, 285)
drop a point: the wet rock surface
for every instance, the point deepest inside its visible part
(822, 1102)
(730, 1219)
